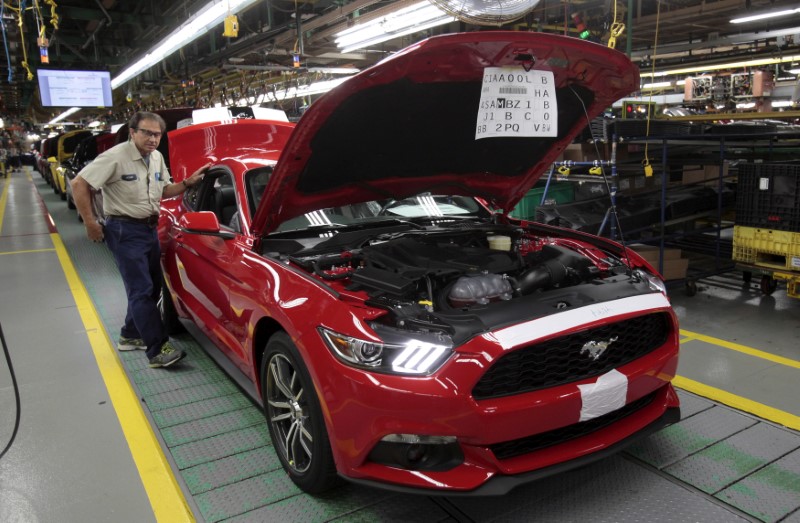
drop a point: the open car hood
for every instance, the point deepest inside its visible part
(425, 120)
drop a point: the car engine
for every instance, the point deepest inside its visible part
(468, 280)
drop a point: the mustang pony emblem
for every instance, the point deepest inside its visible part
(597, 348)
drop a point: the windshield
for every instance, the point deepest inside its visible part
(423, 207)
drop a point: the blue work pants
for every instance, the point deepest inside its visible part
(137, 253)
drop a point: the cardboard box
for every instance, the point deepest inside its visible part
(674, 268)
(712, 171)
(581, 152)
(703, 174)
(650, 252)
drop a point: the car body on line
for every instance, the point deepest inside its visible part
(47, 150)
(65, 149)
(354, 272)
(85, 152)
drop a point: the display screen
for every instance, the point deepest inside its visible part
(75, 88)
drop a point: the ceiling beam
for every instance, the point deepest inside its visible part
(88, 14)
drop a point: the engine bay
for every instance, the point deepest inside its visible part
(441, 279)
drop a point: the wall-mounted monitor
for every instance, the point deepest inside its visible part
(75, 88)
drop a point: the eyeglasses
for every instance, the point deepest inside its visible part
(149, 134)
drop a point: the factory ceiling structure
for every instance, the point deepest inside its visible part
(277, 43)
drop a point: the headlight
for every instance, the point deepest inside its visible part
(655, 283)
(398, 355)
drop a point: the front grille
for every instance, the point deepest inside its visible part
(518, 447)
(558, 361)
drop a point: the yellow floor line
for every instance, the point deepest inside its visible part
(737, 402)
(741, 348)
(3, 200)
(166, 497)
(27, 252)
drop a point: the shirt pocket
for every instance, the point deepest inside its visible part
(131, 189)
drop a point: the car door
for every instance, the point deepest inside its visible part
(207, 263)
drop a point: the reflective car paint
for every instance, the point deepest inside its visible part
(239, 292)
(385, 116)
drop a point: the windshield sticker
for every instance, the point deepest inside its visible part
(518, 103)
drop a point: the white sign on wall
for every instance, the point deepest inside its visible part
(516, 102)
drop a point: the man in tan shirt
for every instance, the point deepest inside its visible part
(134, 179)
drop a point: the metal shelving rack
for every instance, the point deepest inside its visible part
(706, 243)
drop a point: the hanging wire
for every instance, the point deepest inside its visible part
(615, 30)
(16, 389)
(53, 14)
(22, 39)
(5, 42)
(648, 169)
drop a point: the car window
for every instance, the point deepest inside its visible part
(191, 196)
(216, 193)
(255, 182)
(423, 206)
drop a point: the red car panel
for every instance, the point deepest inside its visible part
(363, 298)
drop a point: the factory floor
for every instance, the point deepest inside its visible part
(102, 437)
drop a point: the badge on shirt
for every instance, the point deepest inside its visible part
(130, 177)
(158, 176)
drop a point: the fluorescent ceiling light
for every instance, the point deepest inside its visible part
(656, 85)
(794, 71)
(731, 65)
(63, 115)
(304, 90)
(762, 16)
(412, 19)
(782, 103)
(199, 24)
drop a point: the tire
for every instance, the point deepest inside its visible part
(169, 316)
(768, 285)
(294, 416)
(70, 203)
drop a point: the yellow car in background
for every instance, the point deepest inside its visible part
(67, 143)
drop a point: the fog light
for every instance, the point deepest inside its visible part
(417, 452)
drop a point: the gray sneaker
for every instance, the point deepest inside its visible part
(131, 344)
(169, 355)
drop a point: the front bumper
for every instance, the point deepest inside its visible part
(500, 485)
(362, 408)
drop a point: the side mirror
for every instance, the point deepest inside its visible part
(203, 222)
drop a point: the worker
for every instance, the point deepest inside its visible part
(134, 179)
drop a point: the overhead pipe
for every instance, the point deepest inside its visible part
(103, 9)
(100, 25)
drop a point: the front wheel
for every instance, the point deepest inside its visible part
(295, 420)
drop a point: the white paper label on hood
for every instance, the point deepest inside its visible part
(515, 102)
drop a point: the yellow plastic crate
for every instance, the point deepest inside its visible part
(767, 248)
(792, 283)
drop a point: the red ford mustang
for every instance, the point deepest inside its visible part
(356, 274)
